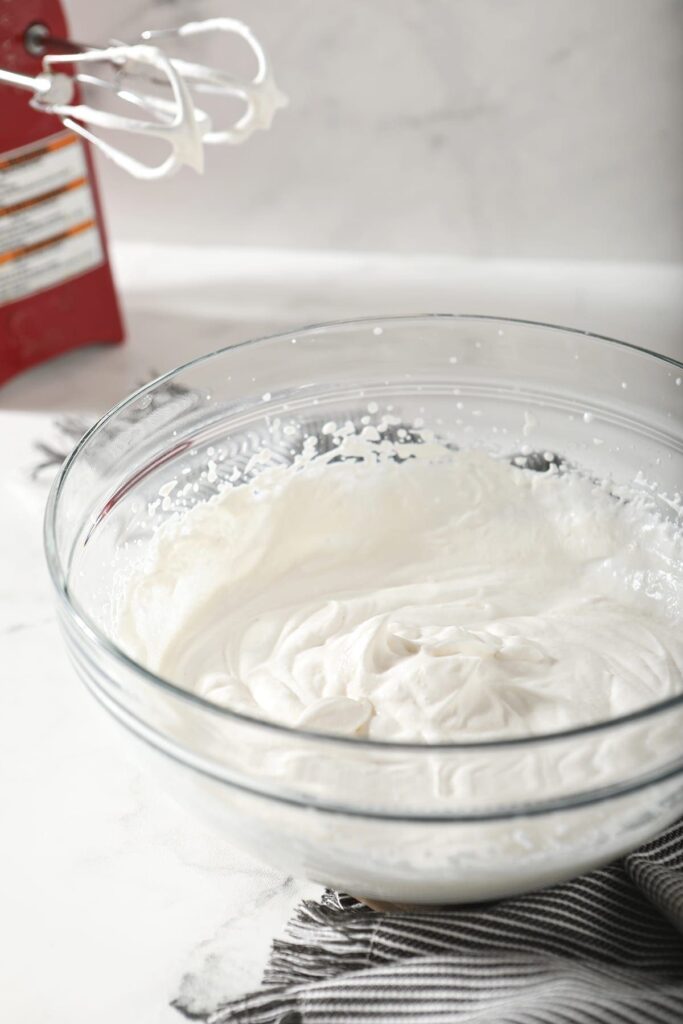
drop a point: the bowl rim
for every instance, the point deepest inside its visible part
(91, 631)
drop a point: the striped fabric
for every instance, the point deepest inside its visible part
(606, 948)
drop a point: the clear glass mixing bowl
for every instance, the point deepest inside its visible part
(389, 822)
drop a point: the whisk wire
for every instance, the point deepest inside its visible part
(136, 69)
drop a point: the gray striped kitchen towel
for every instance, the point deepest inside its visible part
(606, 948)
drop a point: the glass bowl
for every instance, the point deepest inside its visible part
(390, 822)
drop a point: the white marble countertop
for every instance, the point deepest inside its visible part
(113, 902)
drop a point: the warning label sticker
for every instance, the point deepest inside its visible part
(48, 226)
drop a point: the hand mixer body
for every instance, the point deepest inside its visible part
(56, 287)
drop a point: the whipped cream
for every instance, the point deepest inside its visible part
(441, 596)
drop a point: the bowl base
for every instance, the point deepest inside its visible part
(383, 907)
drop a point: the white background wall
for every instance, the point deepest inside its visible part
(498, 128)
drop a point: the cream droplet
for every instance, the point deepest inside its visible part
(530, 422)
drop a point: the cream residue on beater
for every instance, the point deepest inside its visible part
(446, 595)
